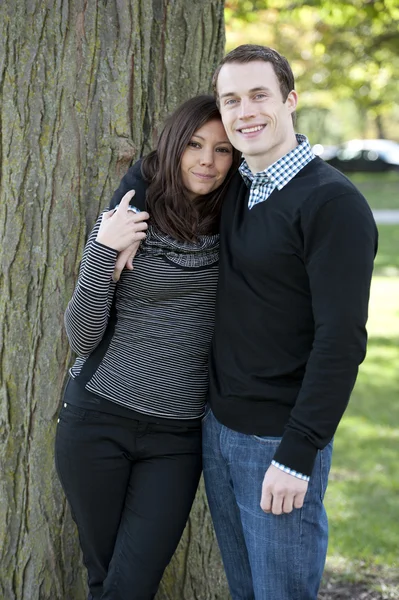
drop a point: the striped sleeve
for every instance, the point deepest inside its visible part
(87, 313)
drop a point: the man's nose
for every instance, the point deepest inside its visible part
(246, 109)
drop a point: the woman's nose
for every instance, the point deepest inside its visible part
(206, 157)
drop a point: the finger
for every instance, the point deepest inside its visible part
(117, 273)
(299, 500)
(124, 203)
(136, 237)
(277, 505)
(266, 501)
(119, 265)
(107, 215)
(141, 216)
(129, 263)
(141, 226)
(125, 260)
(288, 504)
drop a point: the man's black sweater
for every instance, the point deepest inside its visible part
(292, 306)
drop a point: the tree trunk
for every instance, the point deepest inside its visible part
(379, 125)
(83, 87)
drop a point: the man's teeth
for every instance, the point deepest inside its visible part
(252, 129)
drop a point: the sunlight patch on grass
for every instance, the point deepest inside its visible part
(377, 577)
(363, 428)
(384, 306)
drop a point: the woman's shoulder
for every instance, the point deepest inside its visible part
(132, 180)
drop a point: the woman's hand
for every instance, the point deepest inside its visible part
(123, 229)
(125, 260)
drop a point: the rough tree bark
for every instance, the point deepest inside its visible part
(83, 87)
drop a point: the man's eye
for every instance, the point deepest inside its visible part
(231, 101)
(260, 96)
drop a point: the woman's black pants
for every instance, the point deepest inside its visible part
(130, 485)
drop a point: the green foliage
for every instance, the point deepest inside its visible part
(244, 9)
(340, 51)
(360, 46)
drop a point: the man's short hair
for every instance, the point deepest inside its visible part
(250, 52)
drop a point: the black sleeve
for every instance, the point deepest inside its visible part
(133, 180)
(340, 246)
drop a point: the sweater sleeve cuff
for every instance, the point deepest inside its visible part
(99, 267)
(296, 453)
(290, 471)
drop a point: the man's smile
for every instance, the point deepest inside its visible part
(251, 129)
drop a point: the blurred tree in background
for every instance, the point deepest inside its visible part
(345, 57)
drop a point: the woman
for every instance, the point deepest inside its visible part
(128, 444)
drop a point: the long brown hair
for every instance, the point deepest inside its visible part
(170, 209)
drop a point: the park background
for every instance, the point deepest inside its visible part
(83, 89)
(345, 57)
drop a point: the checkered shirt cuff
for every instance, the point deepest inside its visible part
(290, 471)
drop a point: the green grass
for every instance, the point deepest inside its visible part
(363, 495)
(387, 261)
(381, 190)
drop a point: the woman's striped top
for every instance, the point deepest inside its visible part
(156, 360)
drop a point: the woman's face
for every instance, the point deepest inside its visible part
(206, 160)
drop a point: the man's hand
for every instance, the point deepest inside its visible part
(281, 492)
(122, 228)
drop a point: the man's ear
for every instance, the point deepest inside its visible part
(292, 101)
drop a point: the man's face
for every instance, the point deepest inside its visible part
(257, 120)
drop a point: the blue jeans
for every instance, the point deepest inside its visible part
(266, 557)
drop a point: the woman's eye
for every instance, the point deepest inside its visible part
(225, 150)
(194, 144)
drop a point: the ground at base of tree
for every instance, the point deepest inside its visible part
(371, 587)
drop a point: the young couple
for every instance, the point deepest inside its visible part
(261, 274)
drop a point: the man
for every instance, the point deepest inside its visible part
(297, 244)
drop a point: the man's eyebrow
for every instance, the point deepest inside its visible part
(260, 88)
(227, 94)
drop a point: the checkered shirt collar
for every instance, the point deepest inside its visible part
(283, 170)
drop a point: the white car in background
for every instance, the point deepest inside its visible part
(361, 155)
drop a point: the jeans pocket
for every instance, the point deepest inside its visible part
(70, 414)
(267, 439)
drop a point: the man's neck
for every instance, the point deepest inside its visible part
(261, 162)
